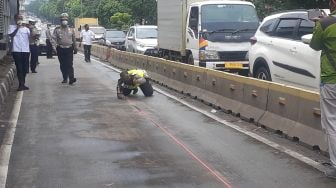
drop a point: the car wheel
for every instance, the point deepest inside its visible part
(190, 59)
(263, 73)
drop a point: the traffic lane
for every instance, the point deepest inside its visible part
(153, 159)
(83, 136)
(242, 160)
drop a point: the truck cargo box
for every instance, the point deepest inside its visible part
(172, 16)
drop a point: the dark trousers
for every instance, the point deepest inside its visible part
(65, 57)
(21, 61)
(49, 49)
(87, 52)
(34, 57)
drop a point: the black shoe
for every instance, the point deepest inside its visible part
(34, 71)
(72, 81)
(64, 81)
(135, 91)
(22, 88)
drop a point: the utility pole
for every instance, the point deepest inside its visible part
(81, 12)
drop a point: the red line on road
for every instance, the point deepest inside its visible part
(213, 172)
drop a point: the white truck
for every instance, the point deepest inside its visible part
(208, 33)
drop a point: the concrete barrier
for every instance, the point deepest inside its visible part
(291, 111)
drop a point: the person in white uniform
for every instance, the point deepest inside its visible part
(19, 35)
(86, 37)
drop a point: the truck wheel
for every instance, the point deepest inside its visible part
(147, 89)
(190, 59)
(126, 91)
(263, 73)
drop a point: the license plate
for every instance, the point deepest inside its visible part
(233, 65)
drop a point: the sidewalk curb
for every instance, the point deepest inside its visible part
(6, 83)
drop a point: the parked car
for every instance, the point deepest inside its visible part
(43, 42)
(278, 54)
(99, 32)
(142, 39)
(115, 39)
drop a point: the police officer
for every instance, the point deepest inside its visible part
(65, 42)
(33, 45)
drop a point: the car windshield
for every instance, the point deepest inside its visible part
(221, 17)
(97, 30)
(146, 33)
(220, 20)
(115, 34)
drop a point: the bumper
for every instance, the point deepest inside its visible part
(144, 50)
(230, 66)
(119, 47)
(42, 49)
(152, 52)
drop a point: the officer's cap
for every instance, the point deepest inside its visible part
(64, 16)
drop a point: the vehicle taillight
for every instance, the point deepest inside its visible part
(253, 40)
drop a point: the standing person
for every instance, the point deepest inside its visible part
(48, 42)
(324, 38)
(88, 36)
(33, 45)
(19, 35)
(65, 42)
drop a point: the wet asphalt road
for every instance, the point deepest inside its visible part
(83, 136)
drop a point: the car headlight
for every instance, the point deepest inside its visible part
(208, 55)
(141, 45)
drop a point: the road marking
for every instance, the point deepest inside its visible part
(261, 139)
(6, 147)
(212, 171)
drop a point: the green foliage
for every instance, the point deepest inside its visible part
(121, 21)
(266, 7)
(120, 13)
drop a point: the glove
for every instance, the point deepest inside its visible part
(75, 51)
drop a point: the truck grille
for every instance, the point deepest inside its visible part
(233, 56)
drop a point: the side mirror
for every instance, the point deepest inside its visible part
(306, 38)
(130, 38)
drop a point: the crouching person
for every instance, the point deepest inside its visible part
(130, 81)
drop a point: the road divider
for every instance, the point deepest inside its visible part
(290, 111)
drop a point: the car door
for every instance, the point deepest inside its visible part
(192, 32)
(283, 50)
(130, 39)
(306, 60)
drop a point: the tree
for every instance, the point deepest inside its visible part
(121, 21)
(107, 8)
(142, 10)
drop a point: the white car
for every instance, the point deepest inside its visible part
(142, 39)
(278, 53)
